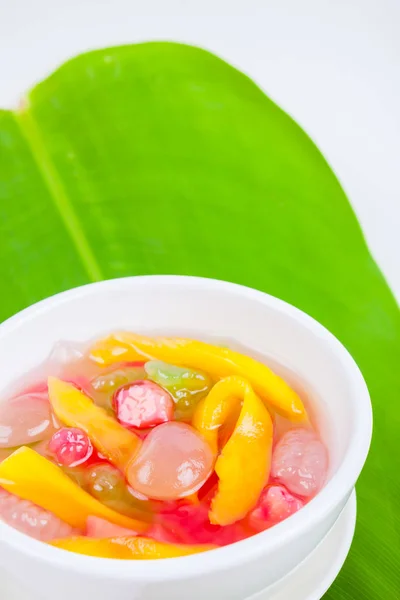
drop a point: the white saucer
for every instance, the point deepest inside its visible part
(312, 578)
(309, 581)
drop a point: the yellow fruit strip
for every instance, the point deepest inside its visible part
(73, 408)
(32, 477)
(218, 362)
(128, 548)
(243, 465)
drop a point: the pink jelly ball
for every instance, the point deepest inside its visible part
(31, 519)
(276, 503)
(174, 461)
(300, 462)
(25, 419)
(71, 446)
(143, 404)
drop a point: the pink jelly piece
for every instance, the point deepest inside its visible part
(100, 528)
(300, 462)
(80, 382)
(31, 519)
(174, 461)
(25, 419)
(190, 524)
(209, 489)
(166, 535)
(143, 404)
(275, 504)
(71, 446)
(36, 388)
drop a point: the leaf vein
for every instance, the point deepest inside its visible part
(32, 135)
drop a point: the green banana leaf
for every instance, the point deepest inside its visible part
(161, 158)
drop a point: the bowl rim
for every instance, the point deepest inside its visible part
(221, 559)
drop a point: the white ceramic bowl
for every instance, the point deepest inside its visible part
(205, 308)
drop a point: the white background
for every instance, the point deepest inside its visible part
(334, 65)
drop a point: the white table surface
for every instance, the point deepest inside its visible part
(333, 64)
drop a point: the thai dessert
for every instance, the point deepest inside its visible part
(138, 447)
